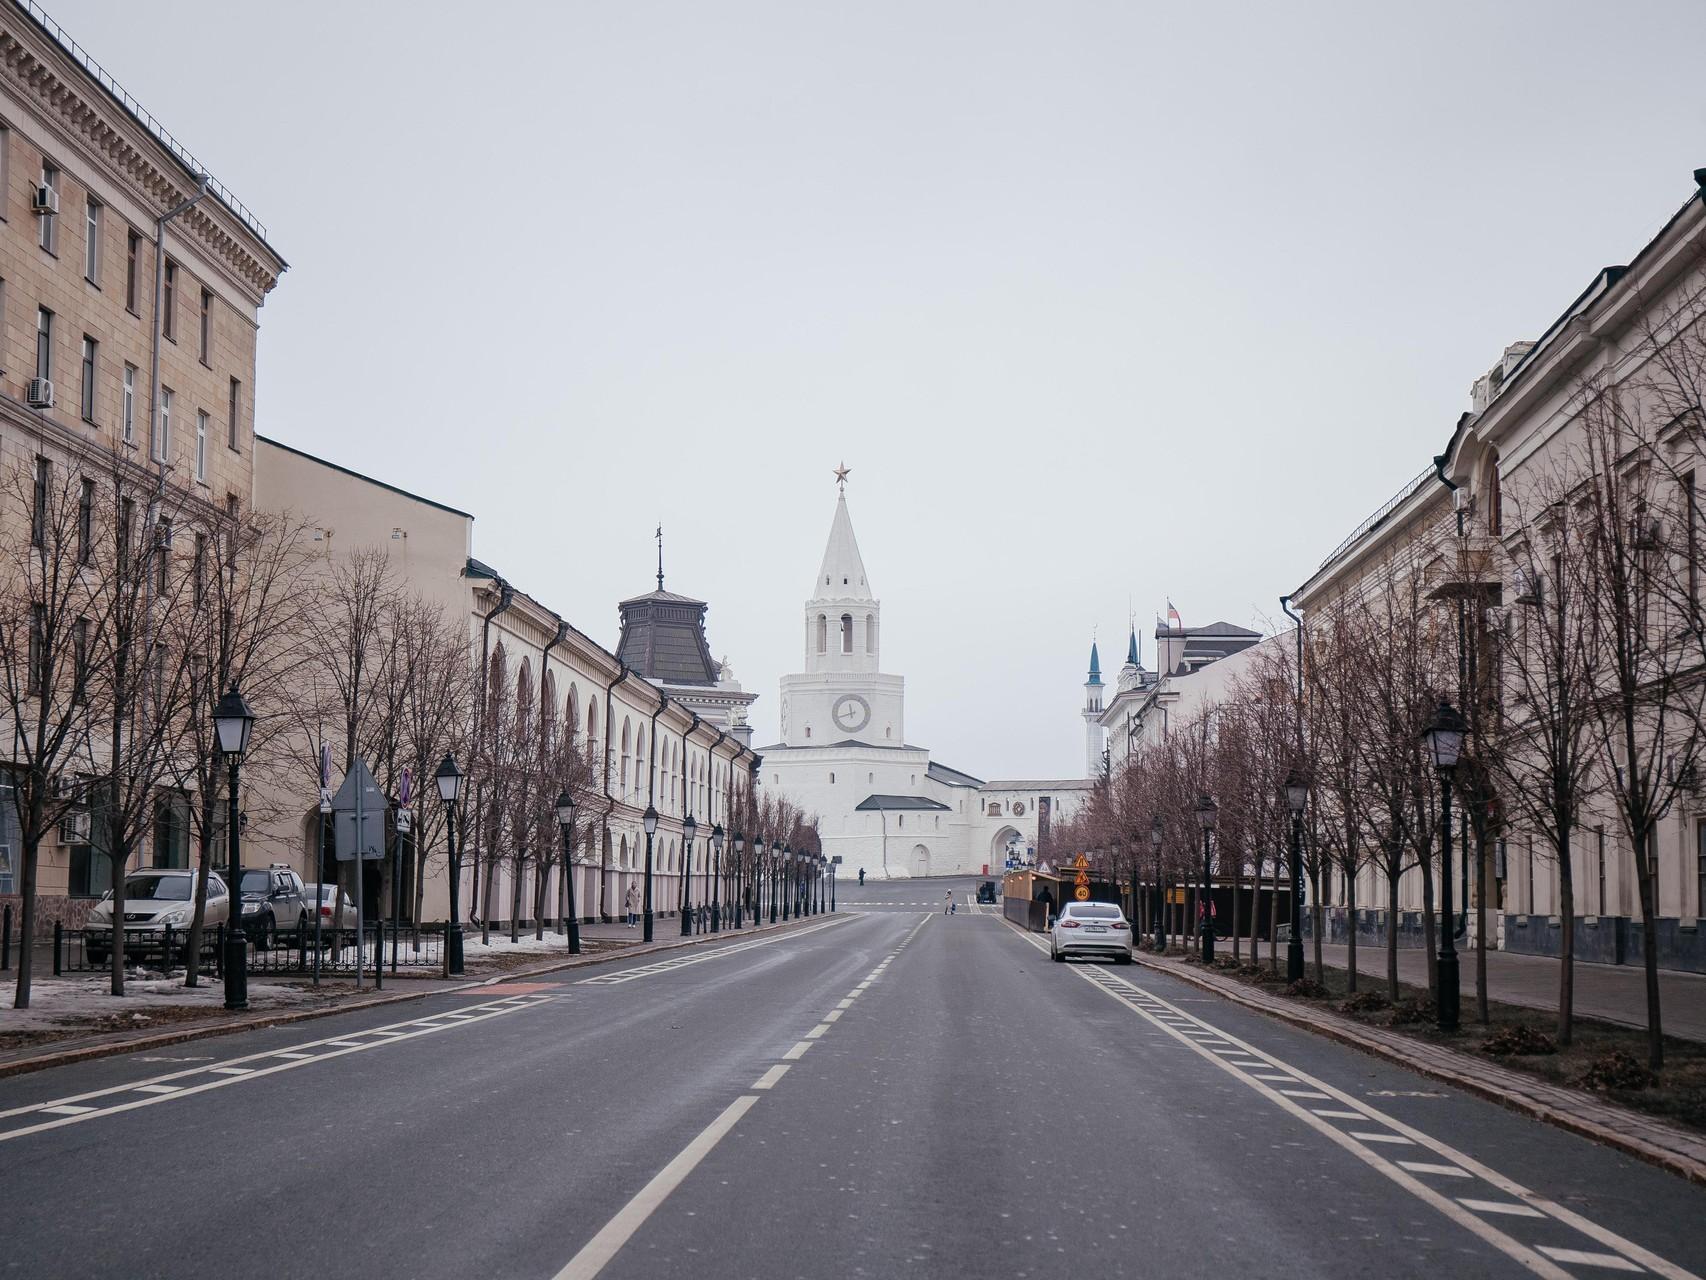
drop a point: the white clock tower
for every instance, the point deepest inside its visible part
(842, 695)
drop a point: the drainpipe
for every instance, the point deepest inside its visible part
(506, 598)
(1462, 666)
(183, 206)
(609, 800)
(544, 708)
(1285, 603)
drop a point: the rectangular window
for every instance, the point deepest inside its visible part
(206, 332)
(38, 507)
(198, 583)
(129, 409)
(44, 343)
(169, 313)
(126, 531)
(89, 347)
(92, 240)
(172, 830)
(234, 414)
(80, 659)
(162, 442)
(201, 446)
(132, 251)
(47, 229)
(86, 523)
(36, 676)
(162, 556)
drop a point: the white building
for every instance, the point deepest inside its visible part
(883, 804)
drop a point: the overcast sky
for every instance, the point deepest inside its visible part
(1102, 302)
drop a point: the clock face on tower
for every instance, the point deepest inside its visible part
(852, 713)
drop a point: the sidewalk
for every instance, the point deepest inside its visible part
(1612, 992)
(1670, 1147)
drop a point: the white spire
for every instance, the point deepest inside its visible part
(842, 576)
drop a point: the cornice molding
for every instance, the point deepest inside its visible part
(132, 155)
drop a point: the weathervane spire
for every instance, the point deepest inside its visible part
(841, 473)
(660, 557)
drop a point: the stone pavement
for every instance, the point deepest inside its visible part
(1668, 1146)
(1612, 992)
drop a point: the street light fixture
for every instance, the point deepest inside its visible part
(1155, 829)
(689, 829)
(449, 780)
(717, 880)
(232, 723)
(566, 824)
(1296, 798)
(737, 902)
(649, 821)
(1207, 811)
(760, 878)
(1444, 738)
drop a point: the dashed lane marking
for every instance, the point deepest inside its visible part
(1538, 1257)
(701, 957)
(770, 1077)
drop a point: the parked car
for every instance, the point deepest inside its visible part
(329, 895)
(154, 900)
(274, 903)
(986, 892)
(1091, 929)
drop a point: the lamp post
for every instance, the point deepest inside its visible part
(566, 824)
(232, 722)
(832, 886)
(449, 780)
(716, 887)
(689, 829)
(1444, 739)
(1296, 797)
(760, 878)
(737, 906)
(1207, 811)
(1160, 889)
(649, 821)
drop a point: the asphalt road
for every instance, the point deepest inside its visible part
(892, 1092)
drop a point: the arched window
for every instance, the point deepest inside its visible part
(846, 633)
(572, 711)
(641, 772)
(524, 701)
(870, 633)
(627, 739)
(832, 777)
(548, 703)
(822, 633)
(900, 820)
(592, 732)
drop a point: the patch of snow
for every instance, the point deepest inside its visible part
(87, 998)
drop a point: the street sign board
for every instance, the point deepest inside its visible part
(358, 795)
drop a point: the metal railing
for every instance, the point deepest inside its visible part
(140, 114)
(405, 948)
(1374, 521)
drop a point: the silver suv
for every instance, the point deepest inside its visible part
(273, 904)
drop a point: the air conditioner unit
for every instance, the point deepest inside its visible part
(39, 394)
(1530, 587)
(44, 200)
(74, 827)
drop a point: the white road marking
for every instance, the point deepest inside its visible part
(293, 1055)
(66, 1109)
(1415, 1166)
(771, 1076)
(1510, 1207)
(798, 1051)
(231, 1071)
(1538, 1259)
(1584, 1258)
(598, 1251)
(1339, 1115)
(848, 1002)
(157, 1088)
(1304, 1093)
(834, 1015)
(673, 963)
(1368, 1135)
(817, 1031)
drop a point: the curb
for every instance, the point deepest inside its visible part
(1672, 1162)
(206, 1031)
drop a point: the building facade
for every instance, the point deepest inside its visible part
(131, 285)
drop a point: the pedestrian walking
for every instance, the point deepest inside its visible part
(632, 904)
(861, 877)
(948, 904)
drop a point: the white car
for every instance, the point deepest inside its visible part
(154, 900)
(1091, 929)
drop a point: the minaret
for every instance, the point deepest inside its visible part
(1093, 732)
(842, 615)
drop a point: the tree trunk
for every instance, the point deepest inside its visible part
(1391, 933)
(1650, 948)
(1481, 1010)
(515, 901)
(120, 856)
(1273, 920)
(1351, 932)
(27, 921)
(1237, 893)
(1318, 912)
(198, 918)
(1566, 942)
(1430, 932)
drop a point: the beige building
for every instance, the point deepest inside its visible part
(108, 344)
(645, 742)
(1632, 331)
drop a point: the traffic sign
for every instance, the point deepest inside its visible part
(358, 816)
(1081, 893)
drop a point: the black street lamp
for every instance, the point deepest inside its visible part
(1160, 891)
(1444, 739)
(760, 878)
(832, 886)
(1207, 811)
(776, 849)
(232, 722)
(716, 887)
(1296, 797)
(649, 820)
(449, 780)
(689, 829)
(566, 824)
